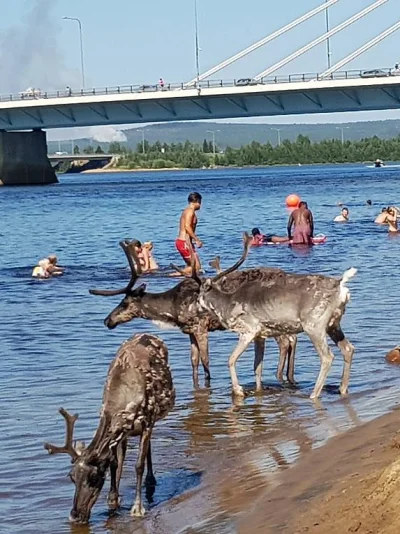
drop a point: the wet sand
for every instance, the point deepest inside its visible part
(350, 484)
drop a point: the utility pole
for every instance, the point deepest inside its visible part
(213, 132)
(342, 128)
(279, 134)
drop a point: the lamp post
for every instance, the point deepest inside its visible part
(279, 134)
(196, 28)
(143, 141)
(328, 41)
(343, 128)
(213, 132)
(81, 41)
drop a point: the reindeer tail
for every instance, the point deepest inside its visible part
(348, 275)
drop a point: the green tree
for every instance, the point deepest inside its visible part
(76, 149)
(88, 150)
(99, 150)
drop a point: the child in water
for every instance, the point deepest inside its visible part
(153, 265)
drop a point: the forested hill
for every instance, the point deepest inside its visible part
(240, 134)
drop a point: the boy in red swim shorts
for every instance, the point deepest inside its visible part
(187, 236)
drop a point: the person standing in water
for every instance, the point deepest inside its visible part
(303, 222)
(187, 237)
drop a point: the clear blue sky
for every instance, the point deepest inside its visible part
(128, 42)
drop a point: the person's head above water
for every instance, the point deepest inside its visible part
(195, 199)
(345, 212)
(52, 259)
(255, 232)
(369, 202)
(303, 204)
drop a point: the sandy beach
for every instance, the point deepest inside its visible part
(352, 484)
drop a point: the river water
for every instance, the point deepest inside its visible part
(209, 455)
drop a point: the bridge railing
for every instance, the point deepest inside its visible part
(37, 94)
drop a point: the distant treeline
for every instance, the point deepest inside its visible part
(192, 156)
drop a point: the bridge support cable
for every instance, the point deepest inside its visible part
(262, 42)
(361, 50)
(320, 39)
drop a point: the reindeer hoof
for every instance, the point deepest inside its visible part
(113, 502)
(238, 392)
(138, 510)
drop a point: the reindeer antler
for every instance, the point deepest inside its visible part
(216, 264)
(177, 269)
(68, 448)
(246, 246)
(136, 271)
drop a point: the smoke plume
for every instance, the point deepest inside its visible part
(106, 134)
(30, 55)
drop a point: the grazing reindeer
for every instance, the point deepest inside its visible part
(179, 307)
(270, 303)
(138, 392)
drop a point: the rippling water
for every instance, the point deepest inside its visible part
(56, 351)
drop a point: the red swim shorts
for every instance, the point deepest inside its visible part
(183, 249)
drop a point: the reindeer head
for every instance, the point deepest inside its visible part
(129, 308)
(88, 471)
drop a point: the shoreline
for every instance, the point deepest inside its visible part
(218, 167)
(350, 484)
(334, 488)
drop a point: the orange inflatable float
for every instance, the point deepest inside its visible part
(292, 201)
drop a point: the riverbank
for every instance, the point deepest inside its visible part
(352, 484)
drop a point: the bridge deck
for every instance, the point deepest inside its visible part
(212, 100)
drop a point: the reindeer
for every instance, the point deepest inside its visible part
(179, 307)
(137, 393)
(270, 303)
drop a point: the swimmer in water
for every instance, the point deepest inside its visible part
(391, 220)
(47, 268)
(53, 269)
(148, 245)
(261, 239)
(343, 217)
(381, 219)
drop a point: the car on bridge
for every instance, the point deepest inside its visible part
(375, 73)
(246, 81)
(31, 92)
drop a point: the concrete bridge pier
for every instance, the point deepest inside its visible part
(23, 159)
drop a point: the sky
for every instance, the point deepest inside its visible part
(135, 42)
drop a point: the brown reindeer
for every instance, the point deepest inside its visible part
(179, 307)
(138, 392)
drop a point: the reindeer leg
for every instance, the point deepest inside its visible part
(291, 357)
(259, 348)
(202, 343)
(347, 350)
(320, 343)
(283, 344)
(150, 478)
(195, 357)
(138, 508)
(116, 466)
(244, 342)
